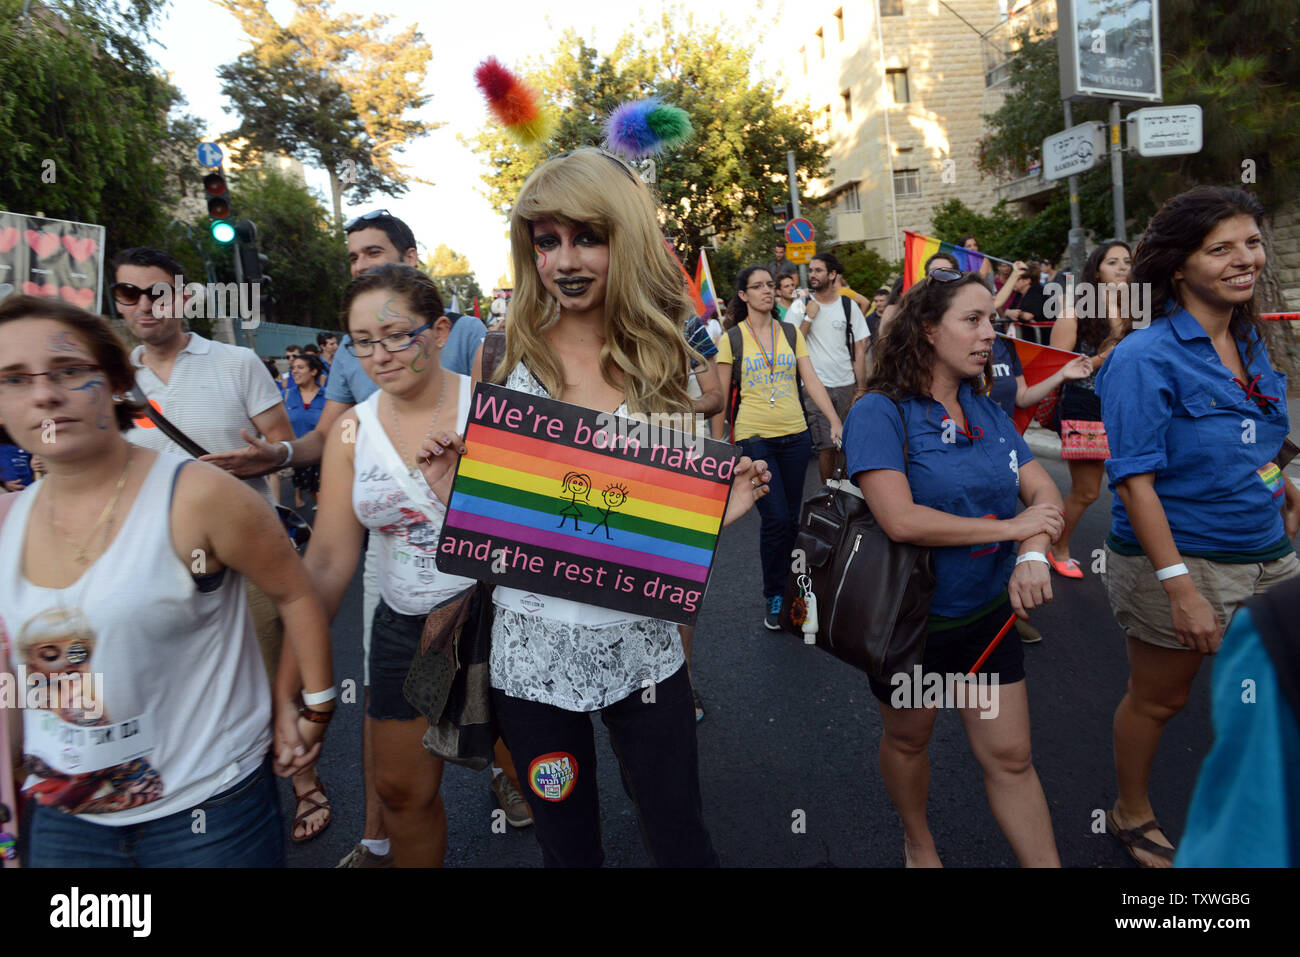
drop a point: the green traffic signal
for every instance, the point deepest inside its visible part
(223, 232)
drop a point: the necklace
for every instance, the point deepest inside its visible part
(397, 427)
(770, 360)
(81, 552)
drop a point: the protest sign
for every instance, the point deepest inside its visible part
(51, 257)
(555, 499)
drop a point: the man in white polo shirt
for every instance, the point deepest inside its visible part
(837, 337)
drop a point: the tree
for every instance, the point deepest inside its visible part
(82, 111)
(454, 277)
(731, 170)
(331, 89)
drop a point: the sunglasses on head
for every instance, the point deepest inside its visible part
(945, 275)
(128, 294)
(366, 217)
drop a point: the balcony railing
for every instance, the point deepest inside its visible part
(1002, 43)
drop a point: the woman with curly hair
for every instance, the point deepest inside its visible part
(596, 320)
(1202, 517)
(940, 465)
(1092, 331)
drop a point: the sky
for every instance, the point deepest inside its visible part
(200, 37)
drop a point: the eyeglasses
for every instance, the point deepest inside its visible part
(945, 275)
(762, 285)
(66, 377)
(397, 342)
(366, 217)
(129, 294)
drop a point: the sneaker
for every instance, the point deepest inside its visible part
(773, 619)
(511, 801)
(362, 856)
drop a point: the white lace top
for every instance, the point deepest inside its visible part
(574, 656)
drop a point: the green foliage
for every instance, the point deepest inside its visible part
(452, 272)
(331, 89)
(82, 114)
(865, 270)
(725, 176)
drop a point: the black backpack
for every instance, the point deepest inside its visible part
(736, 337)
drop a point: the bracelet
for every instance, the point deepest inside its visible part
(316, 717)
(1171, 571)
(320, 697)
(288, 447)
(1032, 557)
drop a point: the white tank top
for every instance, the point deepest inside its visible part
(409, 579)
(181, 707)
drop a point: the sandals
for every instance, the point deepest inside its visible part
(1133, 838)
(1066, 569)
(699, 705)
(321, 805)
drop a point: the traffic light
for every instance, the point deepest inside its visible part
(219, 211)
(783, 213)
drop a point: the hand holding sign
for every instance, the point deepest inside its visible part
(749, 484)
(438, 458)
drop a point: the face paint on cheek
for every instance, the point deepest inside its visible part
(418, 364)
(540, 256)
(63, 342)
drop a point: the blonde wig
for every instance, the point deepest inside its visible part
(645, 303)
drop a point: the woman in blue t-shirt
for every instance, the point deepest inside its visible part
(1202, 517)
(304, 400)
(940, 465)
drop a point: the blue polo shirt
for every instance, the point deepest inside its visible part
(1171, 408)
(975, 476)
(348, 382)
(467, 334)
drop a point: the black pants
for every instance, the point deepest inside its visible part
(653, 734)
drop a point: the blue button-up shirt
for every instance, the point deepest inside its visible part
(1171, 408)
(974, 476)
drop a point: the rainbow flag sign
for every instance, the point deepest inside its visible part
(559, 500)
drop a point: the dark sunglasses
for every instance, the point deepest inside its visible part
(366, 217)
(129, 294)
(945, 275)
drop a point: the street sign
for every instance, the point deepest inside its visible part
(799, 231)
(210, 154)
(1075, 150)
(1165, 130)
(800, 253)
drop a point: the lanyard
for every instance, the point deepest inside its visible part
(770, 360)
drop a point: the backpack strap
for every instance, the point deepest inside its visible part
(494, 350)
(848, 324)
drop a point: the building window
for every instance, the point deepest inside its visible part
(847, 97)
(839, 22)
(803, 55)
(891, 8)
(907, 182)
(821, 43)
(852, 202)
(898, 91)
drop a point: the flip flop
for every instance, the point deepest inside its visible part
(1133, 838)
(1066, 569)
(322, 805)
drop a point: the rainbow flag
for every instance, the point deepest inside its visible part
(708, 291)
(606, 511)
(691, 289)
(1038, 363)
(917, 249)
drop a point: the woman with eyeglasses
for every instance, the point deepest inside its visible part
(385, 471)
(596, 320)
(941, 466)
(769, 422)
(122, 590)
(305, 401)
(1203, 516)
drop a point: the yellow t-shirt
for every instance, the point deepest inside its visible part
(769, 395)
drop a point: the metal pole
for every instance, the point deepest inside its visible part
(1077, 246)
(1117, 172)
(794, 206)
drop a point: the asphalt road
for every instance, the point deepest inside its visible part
(790, 729)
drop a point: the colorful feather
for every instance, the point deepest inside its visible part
(643, 128)
(514, 103)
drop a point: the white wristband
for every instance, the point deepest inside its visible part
(288, 447)
(1032, 557)
(319, 697)
(1171, 571)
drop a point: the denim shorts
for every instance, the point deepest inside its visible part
(238, 827)
(394, 638)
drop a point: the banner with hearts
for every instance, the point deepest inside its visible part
(52, 257)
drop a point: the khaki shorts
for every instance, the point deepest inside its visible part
(269, 627)
(1142, 608)
(818, 424)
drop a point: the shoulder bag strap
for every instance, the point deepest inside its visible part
(169, 430)
(494, 350)
(848, 324)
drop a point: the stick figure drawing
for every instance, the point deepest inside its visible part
(614, 495)
(575, 484)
